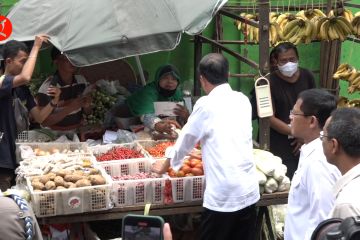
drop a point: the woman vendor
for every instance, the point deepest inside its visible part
(165, 87)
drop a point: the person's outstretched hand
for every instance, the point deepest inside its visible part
(182, 112)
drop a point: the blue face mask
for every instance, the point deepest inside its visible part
(288, 69)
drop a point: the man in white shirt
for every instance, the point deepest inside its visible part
(310, 198)
(341, 144)
(221, 121)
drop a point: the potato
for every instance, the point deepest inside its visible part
(68, 184)
(79, 172)
(73, 178)
(38, 185)
(54, 150)
(60, 188)
(35, 179)
(97, 179)
(37, 190)
(51, 175)
(44, 179)
(50, 185)
(93, 171)
(62, 173)
(59, 181)
(72, 185)
(83, 183)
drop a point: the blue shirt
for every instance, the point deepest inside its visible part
(7, 119)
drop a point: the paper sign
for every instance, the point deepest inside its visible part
(166, 108)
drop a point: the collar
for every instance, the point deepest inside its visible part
(220, 89)
(308, 148)
(346, 178)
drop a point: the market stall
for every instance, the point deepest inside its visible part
(74, 182)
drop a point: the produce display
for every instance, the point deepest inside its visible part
(65, 179)
(304, 26)
(271, 172)
(159, 149)
(101, 103)
(119, 153)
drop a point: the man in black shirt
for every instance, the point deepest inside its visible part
(286, 83)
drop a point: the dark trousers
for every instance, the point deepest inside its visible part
(239, 225)
(7, 178)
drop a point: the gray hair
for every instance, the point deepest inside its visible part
(345, 128)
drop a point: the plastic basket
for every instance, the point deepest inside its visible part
(187, 189)
(151, 143)
(126, 167)
(101, 149)
(134, 192)
(33, 136)
(68, 146)
(71, 201)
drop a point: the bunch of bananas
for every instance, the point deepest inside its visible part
(343, 12)
(311, 14)
(344, 102)
(251, 33)
(284, 18)
(334, 28)
(275, 33)
(355, 23)
(299, 30)
(349, 74)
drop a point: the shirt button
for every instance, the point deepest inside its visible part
(21, 214)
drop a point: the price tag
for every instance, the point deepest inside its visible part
(263, 98)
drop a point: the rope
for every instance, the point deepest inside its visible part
(29, 228)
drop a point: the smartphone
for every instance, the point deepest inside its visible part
(140, 227)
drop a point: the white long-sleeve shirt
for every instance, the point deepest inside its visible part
(221, 122)
(310, 198)
(347, 194)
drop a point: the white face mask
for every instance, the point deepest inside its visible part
(288, 69)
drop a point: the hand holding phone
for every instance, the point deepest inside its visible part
(142, 227)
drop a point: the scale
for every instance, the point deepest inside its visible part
(263, 98)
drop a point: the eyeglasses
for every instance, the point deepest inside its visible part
(292, 113)
(323, 136)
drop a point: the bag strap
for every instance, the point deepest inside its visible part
(29, 227)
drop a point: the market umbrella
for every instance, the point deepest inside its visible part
(96, 31)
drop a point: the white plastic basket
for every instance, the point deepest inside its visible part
(187, 189)
(101, 149)
(126, 167)
(134, 192)
(71, 201)
(33, 136)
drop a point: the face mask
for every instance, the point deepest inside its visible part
(288, 69)
(166, 93)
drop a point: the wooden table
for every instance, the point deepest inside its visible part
(173, 209)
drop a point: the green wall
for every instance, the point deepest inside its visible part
(183, 55)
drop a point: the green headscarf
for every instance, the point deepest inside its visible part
(142, 101)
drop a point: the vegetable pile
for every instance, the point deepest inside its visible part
(159, 149)
(271, 172)
(101, 103)
(119, 153)
(136, 176)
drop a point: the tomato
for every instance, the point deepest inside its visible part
(180, 173)
(194, 162)
(186, 162)
(186, 169)
(172, 173)
(189, 175)
(197, 171)
(199, 165)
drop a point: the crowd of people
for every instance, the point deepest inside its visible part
(319, 144)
